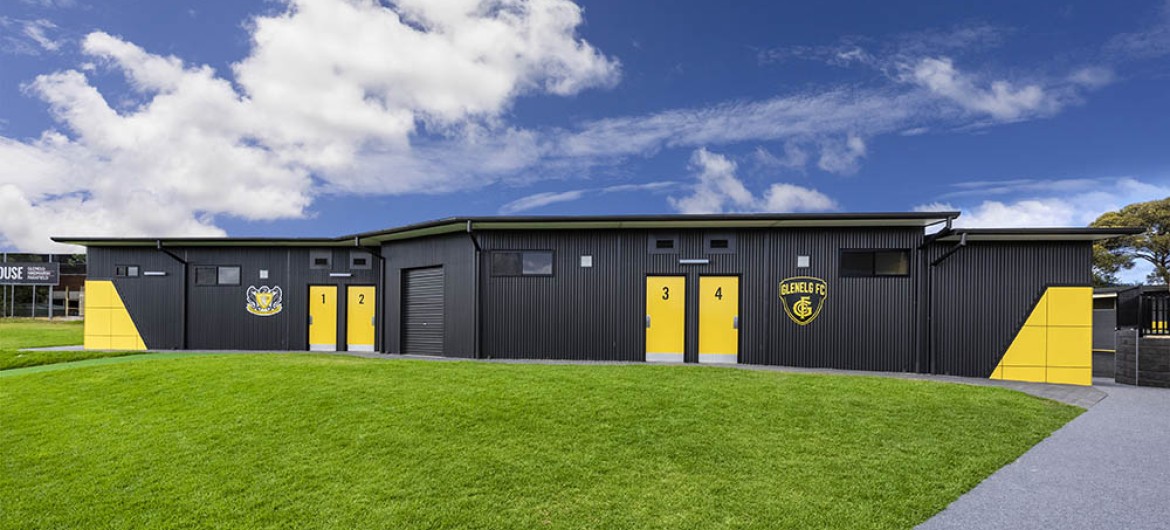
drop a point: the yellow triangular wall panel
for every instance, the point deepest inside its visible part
(1055, 343)
(108, 325)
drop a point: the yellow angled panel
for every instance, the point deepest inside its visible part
(359, 320)
(93, 342)
(1070, 306)
(665, 318)
(99, 293)
(718, 319)
(1028, 349)
(1033, 374)
(1070, 376)
(1039, 314)
(97, 322)
(1070, 347)
(121, 323)
(121, 342)
(998, 373)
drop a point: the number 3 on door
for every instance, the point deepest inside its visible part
(665, 314)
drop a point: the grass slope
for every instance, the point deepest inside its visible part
(17, 333)
(311, 441)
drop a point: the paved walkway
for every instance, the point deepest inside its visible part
(1109, 468)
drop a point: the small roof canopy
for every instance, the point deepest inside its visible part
(611, 222)
(1035, 234)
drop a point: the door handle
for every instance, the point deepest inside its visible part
(310, 320)
(735, 322)
(373, 321)
(647, 321)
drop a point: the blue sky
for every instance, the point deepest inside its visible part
(327, 117)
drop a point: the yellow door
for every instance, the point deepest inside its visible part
(323, 317)
(718, 319)
(665, 318)
(359, 318)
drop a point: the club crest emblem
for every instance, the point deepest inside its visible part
(803, 297)
(264, 301)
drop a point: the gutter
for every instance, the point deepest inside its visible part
(477, 339)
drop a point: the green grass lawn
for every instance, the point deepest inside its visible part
(313, 441)
(17, 333)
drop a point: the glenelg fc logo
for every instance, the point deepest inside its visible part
(803, 297)
(264, 301)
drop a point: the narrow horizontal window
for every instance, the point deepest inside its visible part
(126, 271)
(868, 263)
(359, 260)
(662, 243)
(320, 259)
(719, 243)
(526, 263)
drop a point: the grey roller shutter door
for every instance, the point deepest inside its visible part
(422, 311)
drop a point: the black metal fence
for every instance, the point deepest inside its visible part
(1155, 313)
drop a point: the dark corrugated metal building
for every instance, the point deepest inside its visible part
(851, 291)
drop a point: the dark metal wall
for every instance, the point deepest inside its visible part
(598, 312)
(216, 315)
(456, 254)
(982, 294)
(154, 302)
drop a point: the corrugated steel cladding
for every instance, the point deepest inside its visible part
(979, 296)
(983, 293)
(215, 314)
(598, 313)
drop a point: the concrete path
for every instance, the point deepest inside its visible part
(1109, 468)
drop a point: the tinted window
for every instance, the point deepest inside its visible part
(875, 263)
(229, 276)
(891, 263)
(506, 264)
(533, 263)
(718, 243)
(856, 263)
(540, 263)
(205, 276)
(1104, 303)
(664, 243)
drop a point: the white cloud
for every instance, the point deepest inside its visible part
(1150, 42)
(719, 190)
(794, 157)
(842, 157)
(330, 90)
(35, 30)
(1001, 100)
(1066, 202)
(540, 200)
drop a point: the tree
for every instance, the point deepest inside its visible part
(1114, 255)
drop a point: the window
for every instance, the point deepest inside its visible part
(719, 243)
(129, 271)
(320, 259)
(217, 275)
(228, 275)
(205, 276)
(359, 260)
(866, 263)
(663, 243)
(526, 263)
